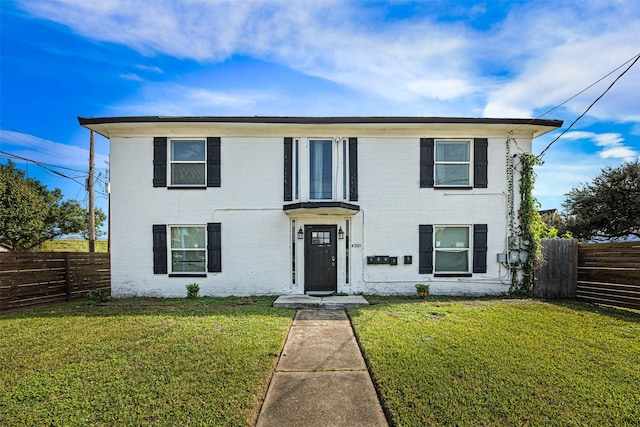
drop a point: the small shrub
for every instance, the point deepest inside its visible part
(96, 296)
(193, 289)
(423, 290)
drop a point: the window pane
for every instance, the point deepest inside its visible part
(188, 151)
(187, 237)
(188, 261)
(320, 237)
(452, 237)
(320, 167)
(187, 174)
(452, 174)
(452, 151)
(454, 261)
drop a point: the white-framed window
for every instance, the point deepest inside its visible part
(188, 162)
(320, 169)
(188, 251)
(452, 162)
(452, 249)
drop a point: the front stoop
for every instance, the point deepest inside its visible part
(300, 302)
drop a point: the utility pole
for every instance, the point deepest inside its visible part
(92, 217)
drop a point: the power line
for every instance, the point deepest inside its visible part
(21, 137)
(44, 166)
(42, 163)
(637, 57)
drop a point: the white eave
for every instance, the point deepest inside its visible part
(335, 126)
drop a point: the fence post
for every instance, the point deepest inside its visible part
(67, 275)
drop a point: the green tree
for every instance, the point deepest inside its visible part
(608, 208)
(31, 214)
(553, 226)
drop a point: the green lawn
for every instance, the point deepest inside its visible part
(441, 361)
(70, 246)
(502, 362)
(131, 362)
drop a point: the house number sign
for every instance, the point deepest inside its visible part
(356, 245)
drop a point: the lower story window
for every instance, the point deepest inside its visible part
(451, 249)
(188, 249)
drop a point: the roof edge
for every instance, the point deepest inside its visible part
(87, 121)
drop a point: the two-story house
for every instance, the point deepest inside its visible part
(293, 205)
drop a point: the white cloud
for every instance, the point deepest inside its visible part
(554, 53)
(611, 143)
(183, 100)
(50, 152)
(535, 58)
(132, 76)
(416, 59)
(150, 68)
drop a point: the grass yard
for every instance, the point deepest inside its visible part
(71, 246)
(502, 362)
(131, 362)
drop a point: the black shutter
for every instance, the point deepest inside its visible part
(353, 169)
(160, 249)
(159, 161)
(213, 162)
(426, 162)
(288, 169)
(480, 248)
(480, 162)
(214, 247)
(425, 248)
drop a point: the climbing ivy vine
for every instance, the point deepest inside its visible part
(529, 226)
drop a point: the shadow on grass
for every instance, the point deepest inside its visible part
(182, 307)
(626, 314)
(620, 313)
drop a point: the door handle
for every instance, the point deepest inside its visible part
(333, 261)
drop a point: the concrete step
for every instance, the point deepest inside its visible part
(301, 302)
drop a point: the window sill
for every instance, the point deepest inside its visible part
(452, 275)
(452, 187)
(188, 275)
(187, 187)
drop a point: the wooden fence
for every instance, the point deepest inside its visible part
(605, 273)
(557, 276)
(609, 273)
(33, 278)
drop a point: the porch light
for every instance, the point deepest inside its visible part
(340, 233)
(300, 233)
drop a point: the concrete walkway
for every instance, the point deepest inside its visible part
(321, 378)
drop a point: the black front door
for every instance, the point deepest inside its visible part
(320, 254)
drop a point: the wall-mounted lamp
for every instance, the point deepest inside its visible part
(300, 233)
(340, 233)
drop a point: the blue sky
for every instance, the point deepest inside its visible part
(69, 58)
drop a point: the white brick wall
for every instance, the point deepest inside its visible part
(256, 233)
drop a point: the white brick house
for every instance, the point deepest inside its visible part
(288, 205)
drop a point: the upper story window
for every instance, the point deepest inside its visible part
(452, 162)
(188, 162)
(320, 169)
